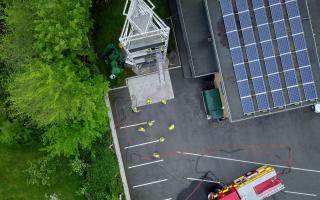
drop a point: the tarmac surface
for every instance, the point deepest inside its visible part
(200, 152)
(202, 149)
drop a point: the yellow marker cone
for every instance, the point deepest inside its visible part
(171, 127)
(156, 155)
(141, 129)
(164, 101)
(149, 101)
(135, 109)
(151, 123)
(162, 139)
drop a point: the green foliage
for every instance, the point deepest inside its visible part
(56, 85)
(16, 44)
(102, 180)
(40, 171)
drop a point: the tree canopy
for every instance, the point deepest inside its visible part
(53, 80)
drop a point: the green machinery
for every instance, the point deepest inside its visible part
(114, 59)
(213, 105)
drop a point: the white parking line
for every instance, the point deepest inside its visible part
(300, 193)
(148, 163)
(251, 162)
(202, 180)
(168, 199)
(136, 186)
(133, 125)
(176, 67)
(137, 145)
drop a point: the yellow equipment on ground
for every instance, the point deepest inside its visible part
(156, 155)
(164, 101)
(171, 127)
(162, 139)
(135, 109)
(149, 101)
(141, 129)
(151, 123)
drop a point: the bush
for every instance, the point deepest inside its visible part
(102, 179)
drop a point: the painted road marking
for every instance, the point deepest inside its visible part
(168, 199)
(300, 193)
(118, 88)
(134, 125)
(202, 180)
(250, 162)
(148, 163)
(154, 182)
(137, 145)
(176, 67)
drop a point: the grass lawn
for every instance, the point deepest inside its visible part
(108, 23)
(13, 182)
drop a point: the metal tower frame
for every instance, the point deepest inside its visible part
(144, 37)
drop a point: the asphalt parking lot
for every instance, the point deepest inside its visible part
(200, 152)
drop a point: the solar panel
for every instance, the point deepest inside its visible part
(255, 69)
(264, 32)
(240, 72)
(252, 52)
(294, 95)
(283, 45)
(233, 39)
(258, 85)
(301, 50)
(280, 29)
(262, 101)
(226, 7)
(261, 16)
(310, 91)
(278, 98)
(242, 5)
(236, 55)
(257, 3)
(271, 65)
(273, 2)
(276, 12)
(299, 42)
(290, 77)
(274, 81)
(230, 23)
(244, 89)
(292, 8)
(306, 75)
(247, 105)
(286, 62)
(303, 58)
(245, 20)
(248, 36)
(267, 49)
(295, 25)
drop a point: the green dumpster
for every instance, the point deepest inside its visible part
(213, 105)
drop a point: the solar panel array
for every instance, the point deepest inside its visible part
(253, 71)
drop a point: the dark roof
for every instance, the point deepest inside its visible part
(195, 44)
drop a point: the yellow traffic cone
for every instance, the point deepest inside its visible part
(171, 127)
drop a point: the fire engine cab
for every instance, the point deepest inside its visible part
(254, 185)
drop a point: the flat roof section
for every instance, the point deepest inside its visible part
(229, 83)
(196, 34)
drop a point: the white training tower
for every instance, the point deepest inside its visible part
(144, 37)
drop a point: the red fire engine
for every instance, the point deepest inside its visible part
(255, 185)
